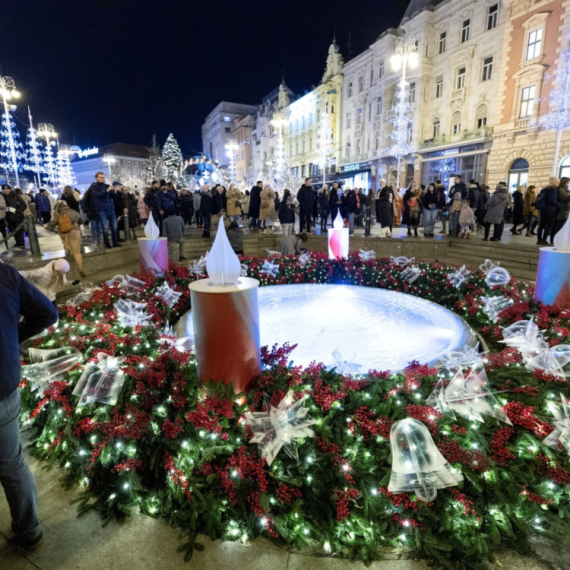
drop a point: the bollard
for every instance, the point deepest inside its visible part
(368, 219)
(127, 228)
(33, 237)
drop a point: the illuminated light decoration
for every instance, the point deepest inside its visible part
(34, 161)
(109, 160)
(11, 149)
(279, 426)
(417, 464)
(495, 276)
(231, 147)
(494, 306)
(47, 132)
(86, 152)
(405, 55)
(325, 141)
(459, 277)
(203, 170)
(407, 327)
(558, 116)
(338, 239)
(65, 174)
(172, 159)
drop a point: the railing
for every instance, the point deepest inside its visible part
(484, 132)
(520, 123)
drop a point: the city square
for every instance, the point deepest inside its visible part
(306, 307)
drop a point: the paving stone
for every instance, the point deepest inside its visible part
(302, 562)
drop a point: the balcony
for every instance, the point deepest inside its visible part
(522, 123)
(463, 136)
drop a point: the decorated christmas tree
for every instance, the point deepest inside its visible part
(65, 174)
(172, 159)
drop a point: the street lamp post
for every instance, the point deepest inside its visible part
(47, 132)
(109, 159)
(406, 55)
(231, 147)
(8, 90)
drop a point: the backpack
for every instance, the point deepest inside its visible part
(540, 201)
(64, 224)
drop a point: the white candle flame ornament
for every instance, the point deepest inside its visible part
(562, 238)
(222, 263)
(151, 230)
(338, 224)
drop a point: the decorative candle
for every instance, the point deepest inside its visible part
(225, 319)
(338, 239)
(153, 250)
(553, 274)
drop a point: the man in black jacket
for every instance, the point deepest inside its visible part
(15, 208)
(548, 206)
(206, 209)
(18, 298)
(255, 204)
(306, 199)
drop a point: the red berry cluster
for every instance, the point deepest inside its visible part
(201, 419)
(414, 372)
(401, 499)
(552, 470)
(286, 494)
(408, 522)
(171, 430)
(425, 414)
(531, 391)
(129, 465)
(344, 497)
(498, 445)
(523, 416)
(462, 498)
(458, 430)
(365, 420)
(324, 397)
(454, 453)
(176, 475)
(277, 354)
(538, 499)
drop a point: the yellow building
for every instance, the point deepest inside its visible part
(304, 117)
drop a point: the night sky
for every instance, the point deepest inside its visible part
(121, 70)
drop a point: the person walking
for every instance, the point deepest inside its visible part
(186, 206)
(174, 232)
(407, 197)
(324, 207)
(287, 215)
(496, 206)
(105, 209)
(43, 206)
(206, 209)
(15, 208)
(431, 207)
(352, 207)
(562, 211)
(267, 213)
(518, 210)
(384, 205)
(234, 199)
(306, 199)
(197, 199)
(547, 204)
(25, 313)
(67, 222)
(255, 205)
(482, 207)
(529, 211)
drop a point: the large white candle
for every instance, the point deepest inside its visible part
(338, 239)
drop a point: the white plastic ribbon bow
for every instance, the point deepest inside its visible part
(493, 306)
(366, 255)
(49, 366)
(457, 278)
(304, 258)
(402, 260)
(561, 433)
(101, 381)
(495, 276)
(168, 295)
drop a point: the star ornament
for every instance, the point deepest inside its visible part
(304, 258)
(493, 306)
(366, 255)
(167, 295)
(269, 268)
(131, 313)
(459, 277)
(560, 436)
(279, 426)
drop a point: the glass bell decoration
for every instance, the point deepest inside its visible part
(417, 464)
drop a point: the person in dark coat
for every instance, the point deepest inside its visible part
(287, 214)
(105, 208)
(15, 208)
(385, 206)
(306, 199)
(219, 200)
(482, 207)
(547, 204)
(495, 211)
(206, 209)
(150, 200)
(68, 197)
(130, 210)
(255, 204)
(324, 206)
(186, 206)
(518, 210)
(408, 195)
(335, 199)
(88, 207)
(563, 206)
(25, 312)
(43, 206)
(457, 193)
(352, 207)
(431, 205)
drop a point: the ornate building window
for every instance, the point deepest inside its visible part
(412, 93)
(487, 69)
(361, 84)
(381, 70)
(439, 86)
(534, 44)
(441, 43)
(348, 120)
(435, 128)
(349, 90)
(348, 149)
(465, 28)
(481, 117)
(379, 106)
(527, 102)
(492, 13)
(456, 123)
(564, 167)
(359, 116)
(460, 80)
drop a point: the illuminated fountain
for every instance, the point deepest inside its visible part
(354, 328)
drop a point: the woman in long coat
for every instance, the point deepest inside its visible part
(518, 210)
(234, 199)
(529, 211)
(385, 210)
(267, 213)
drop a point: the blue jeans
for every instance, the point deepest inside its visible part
(15, 475)
(207, 219)
(109, 219)
(96, 230)
(351, 216)
(430, 216)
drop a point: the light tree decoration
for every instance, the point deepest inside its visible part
(65, 174)
(109, 160)
(171, 158)
(11, 150)
(280, 167)
(325, 142)
(558, 116)
(33, 152)
(47, 132)
(406, 56)
(154, 168)
(231, 147)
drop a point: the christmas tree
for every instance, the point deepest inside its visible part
(65, 174)
(172, 159)
(155, 167)
(33, 153)
(11, 150)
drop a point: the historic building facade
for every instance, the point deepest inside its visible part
(303, 121)
(535, 35)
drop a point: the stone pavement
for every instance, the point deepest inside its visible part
(141, 542)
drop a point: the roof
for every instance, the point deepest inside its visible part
(417, 6)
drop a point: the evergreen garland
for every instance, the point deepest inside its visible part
(181, 453)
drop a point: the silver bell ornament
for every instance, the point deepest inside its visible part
(417, 464)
